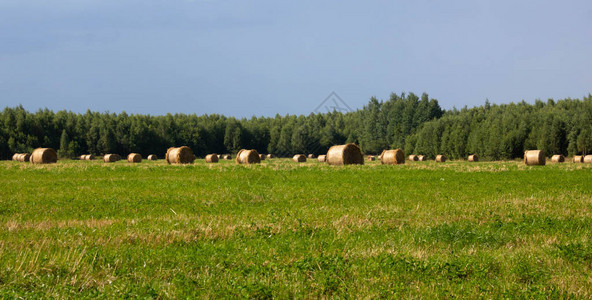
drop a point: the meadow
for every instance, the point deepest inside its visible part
(86, 229)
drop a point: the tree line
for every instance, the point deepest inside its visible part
(414, 123)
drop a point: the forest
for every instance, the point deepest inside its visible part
(416, 124)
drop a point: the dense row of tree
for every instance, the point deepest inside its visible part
(417, 124)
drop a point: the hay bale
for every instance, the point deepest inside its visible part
(15, 156)
(87, 157)
(578, 159)
(312, 156)
(109, 158)
(44, 156)
(82, 157)
(534, 158)
(134, 158)
(413, 157)
(299, 158)
(371, 158)
(227, 157)
(421, 158)
(152, 157)
(558, 158)
(473, 158)
(179, 155)
(322, 158)
(588, 159)
(212, 158)
(441, 158)
(245, 157)
(392, 157)
(21, 157)
(345, 155)
(270, 156)
(262, 156)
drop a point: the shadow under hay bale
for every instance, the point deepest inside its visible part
(345, 155)
(179, 155)
(134, 158)
(473, 158)
(109, 158)
(441, 158)
(558, 158)
(212, 158)
(44, 156)
(246, 157)
(152, 157)
(299, 158)
(392, 157)
(413, 157)
(322, 158)
(535, 158)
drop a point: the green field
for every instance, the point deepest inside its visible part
(281, 229)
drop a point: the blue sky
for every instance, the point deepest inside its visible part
(244, 58)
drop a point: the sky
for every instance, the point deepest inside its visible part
(261, 58)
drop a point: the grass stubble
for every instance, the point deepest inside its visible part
(281, 229)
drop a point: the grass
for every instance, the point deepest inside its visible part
(282, 229)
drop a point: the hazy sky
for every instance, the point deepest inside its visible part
(245, 58)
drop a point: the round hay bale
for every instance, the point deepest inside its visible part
(227, 157)
(179, 155)
(23, 157)
(152, 157)
(89, 157)
(392, 157)
(413, 157)
(44, 156)
(558, 158)
(588, 159)
(262, 156)
(473, 158)
(371, 158)
(82, 157)
(534, 158)
(312, 156)
(134, 158)
(441, 158)
(270, 156)
(421, 158)
(245, 157)
(322, 158)
(212, 158)
(109, 158)
(578, 159)
(299, 158)
(345, 155)
(15, 156)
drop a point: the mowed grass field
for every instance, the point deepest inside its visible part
(282, 229)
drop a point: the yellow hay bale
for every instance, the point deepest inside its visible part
(82, 157)
(44, 156)
(152, 157)
(21, 157)
(441, 158)
(270, 156)
(578, 159)
(371, 158)
(534, 158)
(558, 158)
(134, 158)
(311, 156)
(421, 158)
(299, 158)
(345, 155)
(588, 159)
(413, 157)
(15, 156)
(262, 156)
(392, 157)
(322, 158)
(109, 158)
(227, 157)
(179, 155)
(473, 158)
(245, 157)
(212, 158)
